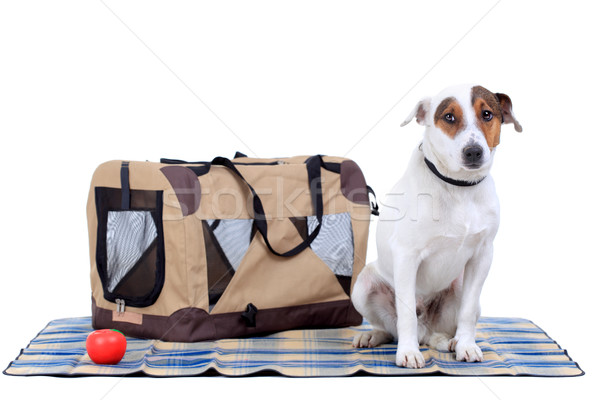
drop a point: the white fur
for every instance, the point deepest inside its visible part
(434, 242)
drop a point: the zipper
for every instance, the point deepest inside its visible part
(278, 162)
(204, 163)
(120, 306)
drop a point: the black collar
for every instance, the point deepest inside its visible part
(449, 180)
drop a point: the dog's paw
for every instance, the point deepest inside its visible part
(468, 351)
(410, 358)
(452, 344)
(371, 339)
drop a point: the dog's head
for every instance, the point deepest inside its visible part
(463, 127)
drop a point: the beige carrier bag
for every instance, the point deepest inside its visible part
(207, 250)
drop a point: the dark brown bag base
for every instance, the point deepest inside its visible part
(194, 324)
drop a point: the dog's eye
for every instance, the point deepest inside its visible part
(450, 117)
(487, 115)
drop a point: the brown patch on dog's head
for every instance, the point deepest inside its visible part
(449, 117)
(488, 114)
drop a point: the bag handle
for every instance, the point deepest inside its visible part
(313, 168)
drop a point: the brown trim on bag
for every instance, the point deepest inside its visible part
(353, 183)
(185, 325)
(301, 224)
(194, 324)
(345, 282)
(219, 271)
(319, 315)
(186, 186)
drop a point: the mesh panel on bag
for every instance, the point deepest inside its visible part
(234, 237)
(335, 243)
(129, 235)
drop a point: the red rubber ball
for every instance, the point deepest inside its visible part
(106, 346)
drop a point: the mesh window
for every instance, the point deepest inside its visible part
(226, 242)
(130, 246)
(334, 244)
(233, 236)
(129, 235)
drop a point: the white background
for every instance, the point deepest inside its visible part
(83, 82)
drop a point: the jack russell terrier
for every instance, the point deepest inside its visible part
(435, 233)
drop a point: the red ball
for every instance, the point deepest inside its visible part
(106, 346)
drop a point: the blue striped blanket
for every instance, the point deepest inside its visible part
(511, 346)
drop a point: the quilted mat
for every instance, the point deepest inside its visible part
(511, 346)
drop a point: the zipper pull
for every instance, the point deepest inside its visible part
(120, 306)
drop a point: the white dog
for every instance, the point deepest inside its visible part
(435, 233)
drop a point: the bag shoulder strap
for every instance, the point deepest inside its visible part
(313, 168)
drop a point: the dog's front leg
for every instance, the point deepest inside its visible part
(405, 276)
(476, 271)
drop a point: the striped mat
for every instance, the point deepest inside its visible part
(511, 346)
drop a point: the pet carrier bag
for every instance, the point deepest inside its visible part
(228, 248)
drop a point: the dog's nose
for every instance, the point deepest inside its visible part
(473, 154)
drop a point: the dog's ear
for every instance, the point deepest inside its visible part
(508, 117)
(420, 112)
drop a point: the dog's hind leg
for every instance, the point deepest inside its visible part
(374, 299)
(439, 315)
(440, 341)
